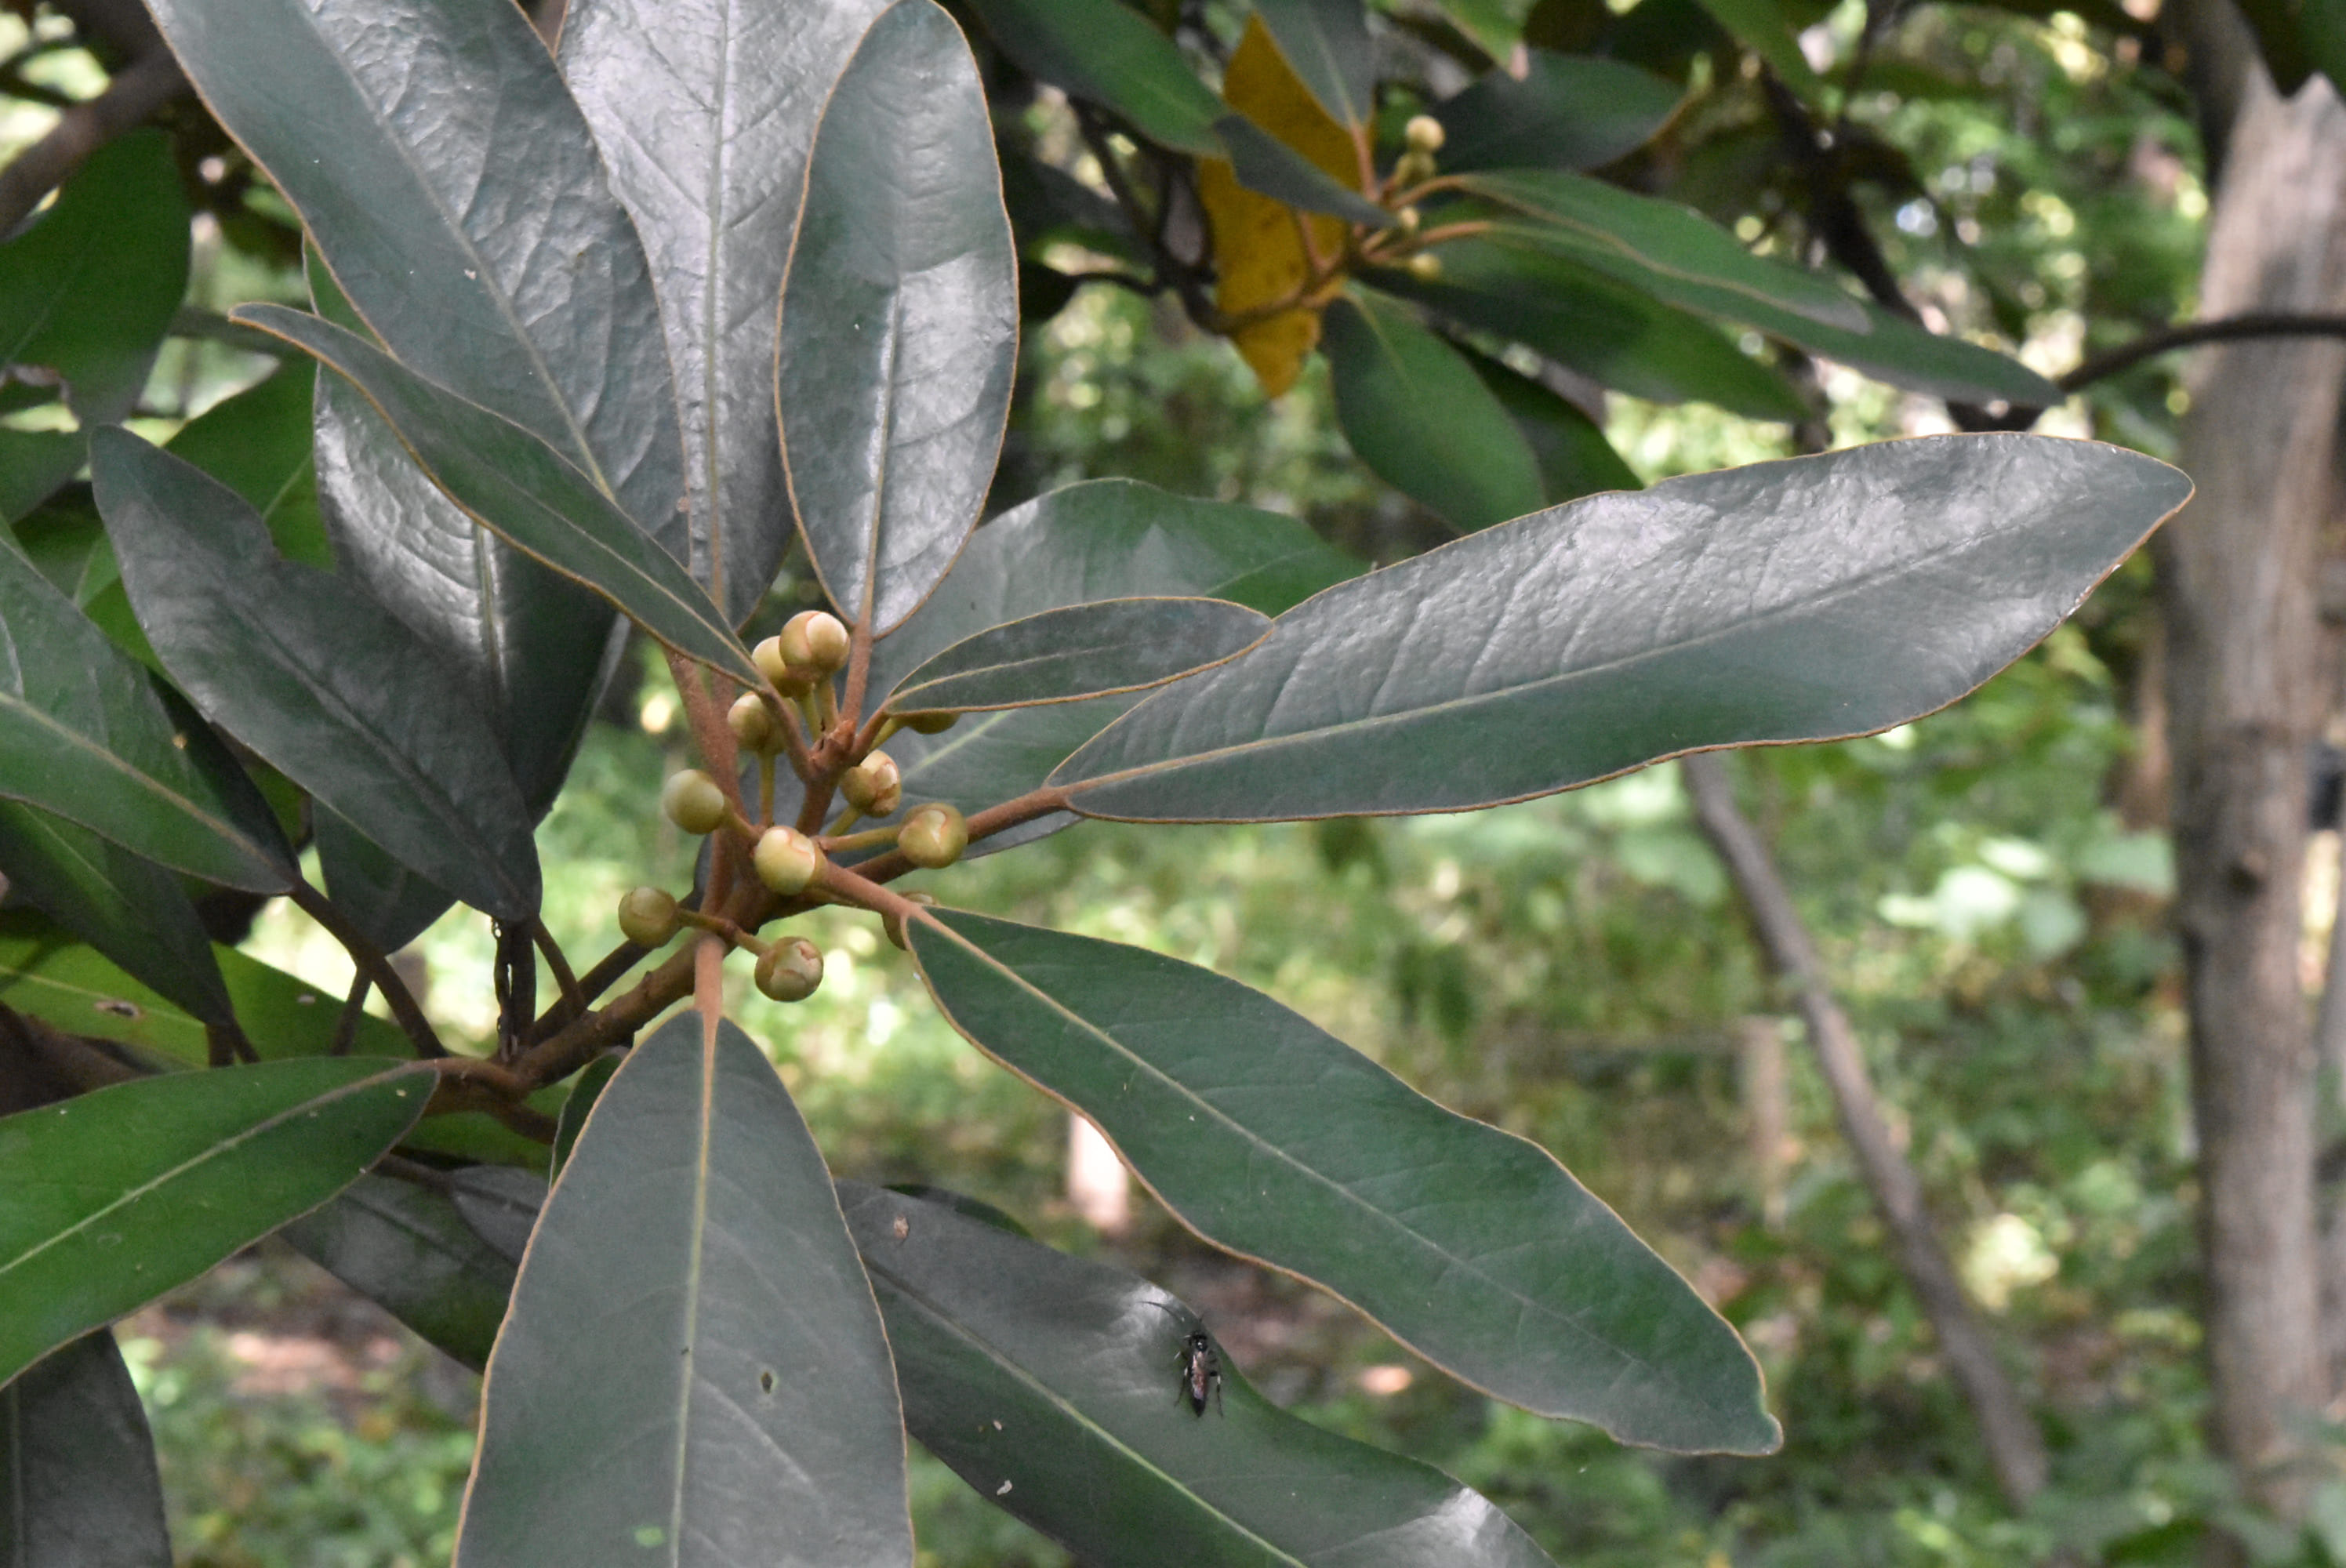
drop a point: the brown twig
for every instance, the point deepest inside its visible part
(346, 1027)
(994, 819)
(559, 962)
(374, 964)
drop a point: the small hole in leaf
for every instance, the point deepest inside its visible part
(765, 1382)
(120, 1009)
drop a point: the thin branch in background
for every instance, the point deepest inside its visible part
(346, 1027)
(2016, 1448)
(145, 84)
(2191, 334)
(559, 962)
(370, 963)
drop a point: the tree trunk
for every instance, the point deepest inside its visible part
(2016, 1449)
(2238, 575)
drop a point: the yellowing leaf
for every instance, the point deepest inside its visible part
(1258, 243)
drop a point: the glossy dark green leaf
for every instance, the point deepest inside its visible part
(45, 973)
(87, 292)
(391, 904)
(519, 487)
(315, 678)
(469, 224)
(704, 111)
(84, 735)
(1574, 457)
(1887, 348)
(1799, 600)
(1567, 111)
(119, 1196)
(1327, 44)
(1759, 25)
(1078, 651)
(1416, 413)
(1605, 330)
(585, 1090)
(258, 444)
(130, 910)
(1110, 538)
(1051, 1385)
(1107, 55)
(1647, 238)
(1273, 1138)
(78, 1483)
(693, 1370)
(1266, 165)
(899, 322)
(534, 644)
(33, 464)
(405, 1248)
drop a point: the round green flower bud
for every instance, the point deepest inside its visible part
(692, 801)
(768, 656)
(752, 724)
(1425, 266)
(1423, 134)
(790, 970)
(935, 723)
(934, 835)
(647, 917)
(874, 786)
(814, 641)
(787, 860)
(1408, 220)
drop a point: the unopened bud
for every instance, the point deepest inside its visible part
(814, 641)
(753, 723)
(786, 859)
(1425, 267)
(874, 786)
(935, 723)
(894, 923)
(768, 656)
(692, 801)
(1423, 134)
(934, 835)
(647, 917)
(790, 970)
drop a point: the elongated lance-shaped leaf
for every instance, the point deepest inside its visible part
(1662, 237)
(1574, 457)
(1112, 57)
(1104, 539)
(468, 220)
(45, 973)
(1053, 1383)
(322, 682)
(130, 910)
(406, 1248)
(532, 644)
(78, 1482)
(521, 488)
(1565, 111)
(1417, 415)
(258, 444)
(119, 1195)
(694, 1369)
(390, 904)
(82, 734)
(1613, 332)
(585, 1090)
(704, 111)
(1081, 650)
(900, 320)
(1327, 43)
(1802, 600)
(1272, 1137)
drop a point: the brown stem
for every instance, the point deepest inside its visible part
(346, 1027)
(578, 1042)
(704, 713)
(372, 963)
(864, 893)
(144, 86)
(2016, 1448)
(559, 962)
(2190, 334)
(994, 819)
(859, 672)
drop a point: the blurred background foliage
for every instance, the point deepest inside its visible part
(1990, 900)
